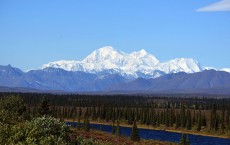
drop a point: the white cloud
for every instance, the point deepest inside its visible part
(223, 5)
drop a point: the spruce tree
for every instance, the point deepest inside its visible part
(80, 112)
(113, 128)
(178, 121)
(158, 119)
(79, 123)
(184, 140)
(135, 134)
(223, 119)
(86, 124)
(227, 119)
(118, 131)
(100, 127)
(94, 117)
(167, 118)
(204, 122)
(172, 117)
(183, 117)
(213, 118)
(189, 121)
(43, 108)
(199, 122)
(217, 122)
(187, 141)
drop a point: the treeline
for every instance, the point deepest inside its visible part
(133, 101)
(191, 113)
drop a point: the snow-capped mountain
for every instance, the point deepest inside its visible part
(225, 69)
(134, 65)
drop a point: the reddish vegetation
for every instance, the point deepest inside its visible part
(115, 140)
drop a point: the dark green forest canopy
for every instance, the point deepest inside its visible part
(131, 101)
(191, 113)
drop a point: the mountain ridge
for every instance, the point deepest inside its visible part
(60, 80)
(207, 79)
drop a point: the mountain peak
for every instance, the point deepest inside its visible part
(106, 49)
(188, 65)
(103, 54)
(142, 51)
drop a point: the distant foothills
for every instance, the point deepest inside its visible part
(111, 71)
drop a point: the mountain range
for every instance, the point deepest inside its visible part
(206, 81)
(110, 70)
(57, 79)
(133, 65)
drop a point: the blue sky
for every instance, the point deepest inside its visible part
(36, 32)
